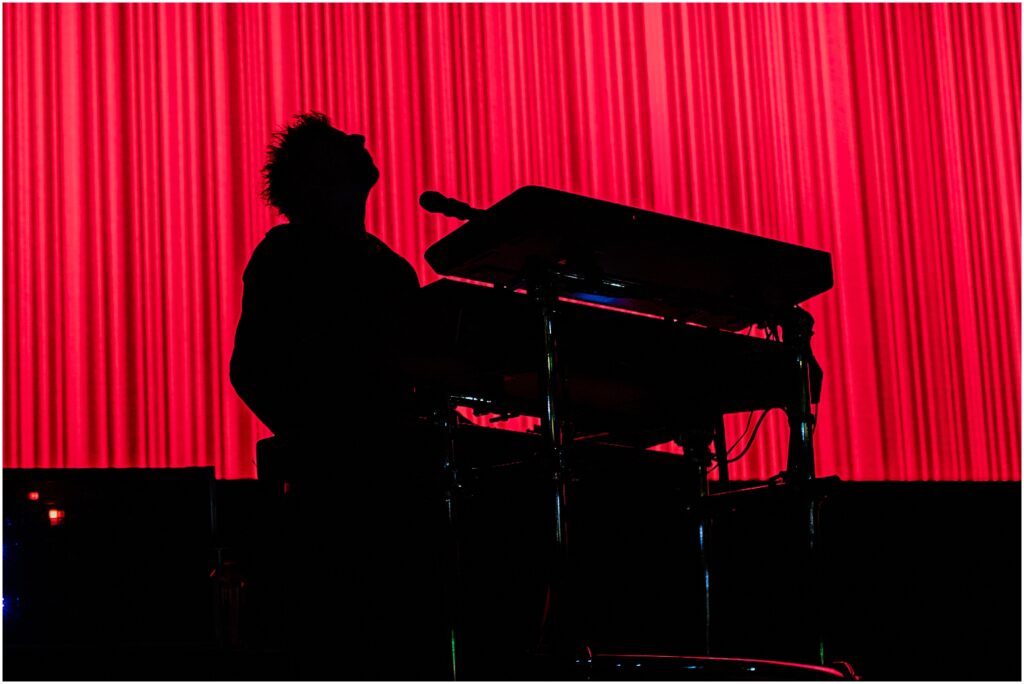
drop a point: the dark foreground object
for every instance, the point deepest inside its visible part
(686, 668)
(149, 577)
(211, 664)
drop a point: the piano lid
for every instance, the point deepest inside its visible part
(633, 259)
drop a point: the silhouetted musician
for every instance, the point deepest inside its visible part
(316, 358)
(316, 346)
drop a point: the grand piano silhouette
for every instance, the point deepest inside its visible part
(660, 360)
(632, 379)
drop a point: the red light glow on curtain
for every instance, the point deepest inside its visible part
(888, 135)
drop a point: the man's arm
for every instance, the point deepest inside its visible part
(260, 359)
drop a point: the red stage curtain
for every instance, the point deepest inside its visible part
(888, 135)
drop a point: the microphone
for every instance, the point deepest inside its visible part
(437, 203)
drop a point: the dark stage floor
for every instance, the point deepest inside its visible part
(919, 581)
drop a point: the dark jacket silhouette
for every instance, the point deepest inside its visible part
(318, 345)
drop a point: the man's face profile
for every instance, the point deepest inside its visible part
(351, 174)
(360, 172)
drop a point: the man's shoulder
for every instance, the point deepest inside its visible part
(277, 244)
(278, 237)
(284, 232)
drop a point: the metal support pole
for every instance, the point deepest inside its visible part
(796, 334)
(553, 427)
(559, 635)
(815, 570)
(695, 446)
(703, 534)
(445, 419)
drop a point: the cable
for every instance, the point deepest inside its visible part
(739, 439)
(749, 443)
(752, 438)
(715, 461)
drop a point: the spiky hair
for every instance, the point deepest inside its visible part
(302, 159)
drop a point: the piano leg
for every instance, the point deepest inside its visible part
(703, 535)
(560, 630)
(695, 447)
(445, 420)
(797, 332)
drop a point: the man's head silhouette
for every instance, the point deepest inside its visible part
(318, 174)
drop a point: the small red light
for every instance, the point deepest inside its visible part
(56, 516)
(33, 496)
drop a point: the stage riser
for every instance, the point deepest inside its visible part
(919, 580)
(130, 561)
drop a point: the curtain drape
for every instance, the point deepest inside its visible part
(888, 135)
